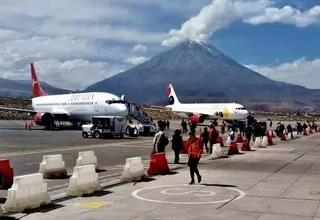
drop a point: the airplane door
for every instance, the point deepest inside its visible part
(96, 107)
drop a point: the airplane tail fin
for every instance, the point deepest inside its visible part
(173, 99)
(36, 88)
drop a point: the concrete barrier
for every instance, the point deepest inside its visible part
(52, 166)
(133, 170)
(83, 181)
(264, 142)
(87, 158)
(27, 192)
(295, 134)
(216, 151)
(257, 142)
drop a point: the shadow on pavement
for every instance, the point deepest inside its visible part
(218, 185)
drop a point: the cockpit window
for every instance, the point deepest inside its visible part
(116, 102)
(241, 108)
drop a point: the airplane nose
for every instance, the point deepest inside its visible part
(123, 109)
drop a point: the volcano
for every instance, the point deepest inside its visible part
(199, 73)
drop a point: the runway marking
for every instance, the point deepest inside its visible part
(27, 164)
(196, 193)
(94, 205)
(50, 150)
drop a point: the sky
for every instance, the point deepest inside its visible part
(76, 43)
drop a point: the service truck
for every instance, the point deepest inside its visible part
(105, 126)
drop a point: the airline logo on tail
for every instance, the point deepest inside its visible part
(36, 88)
(173, 99)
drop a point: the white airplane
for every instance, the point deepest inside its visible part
(74, 108)
(198, 112)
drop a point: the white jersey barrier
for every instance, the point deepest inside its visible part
(27, 192)
(264, 142)
(257, 142)
(83, 181)
(53, 166)
(87, 158)
(133, 170)
(216, 151)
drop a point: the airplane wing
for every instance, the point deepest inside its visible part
(18, 110)
(55, 112)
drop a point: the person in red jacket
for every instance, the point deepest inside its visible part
(195, 150)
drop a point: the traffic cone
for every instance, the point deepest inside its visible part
(270, 142)
(310, 130)
(25, 125)
(233, 148)
(283, 136)
(245, 146)
(305, 133)
(239, 138)
(29, 127)
(220, 141)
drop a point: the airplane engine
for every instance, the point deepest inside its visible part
(197, 119)
(43, 119)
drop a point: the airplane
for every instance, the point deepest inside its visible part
(199, 112)
(76, 108)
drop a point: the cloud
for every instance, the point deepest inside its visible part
(140, 48)
(288, 15)
(136, 60)
(221, 13)
(72, 74)
(301, 72)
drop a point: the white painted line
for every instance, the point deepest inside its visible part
(29, 164)
(136, 192)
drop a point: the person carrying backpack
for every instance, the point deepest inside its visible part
(160, 140)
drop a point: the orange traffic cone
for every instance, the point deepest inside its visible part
(283, 136)
(233, 148)
(270, 142)
(245, 146)
(239, 138)
(220, 141)
(25, 125)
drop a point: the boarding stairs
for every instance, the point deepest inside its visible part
(139, 115)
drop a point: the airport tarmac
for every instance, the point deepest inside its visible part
(25, 148)
(277, 182)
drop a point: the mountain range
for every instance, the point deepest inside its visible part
(199, 73)
(22, 88)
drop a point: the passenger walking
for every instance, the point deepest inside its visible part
(213, 135)
(195, 150)
(248, 133)
(160, 140)
(205, 138)
(177, 145)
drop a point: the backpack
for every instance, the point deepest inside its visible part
(163, 141)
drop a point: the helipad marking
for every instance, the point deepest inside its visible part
(167, 191)
(196, 193)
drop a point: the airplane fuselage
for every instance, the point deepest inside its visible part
(80, 106)
(230, 111)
